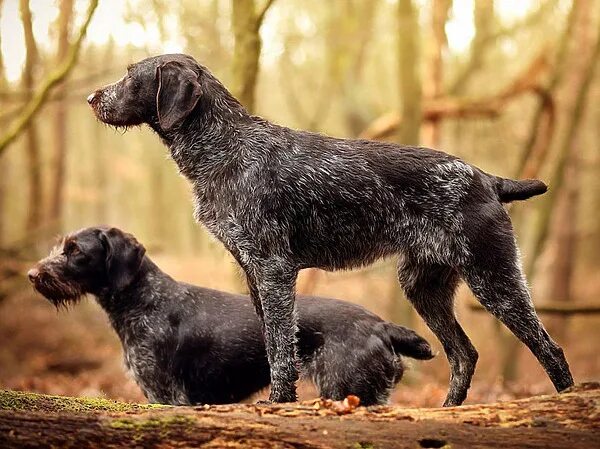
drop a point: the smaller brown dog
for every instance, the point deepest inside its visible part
(192, 345)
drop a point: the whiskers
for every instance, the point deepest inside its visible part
(61, 294)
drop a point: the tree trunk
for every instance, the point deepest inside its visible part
(540, 136)
(3, 162)
(410, 79)
(566, 239)
(565, 148)
(349, 28)
(34, 172)
(434, 85)
(557, 421)
(60, 117)
(246, 22)
(410, 127)
(483, 13)
(534, 155)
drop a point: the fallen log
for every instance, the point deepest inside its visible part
(570, 419)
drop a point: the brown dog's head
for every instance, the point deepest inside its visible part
(93, 260)
(160, 91)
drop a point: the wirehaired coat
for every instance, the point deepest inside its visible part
(191, 345)
(281, 200)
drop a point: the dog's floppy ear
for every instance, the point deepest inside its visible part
(178, 93)
(124, 255)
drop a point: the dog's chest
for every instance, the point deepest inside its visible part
(149, 370)
(142, 365)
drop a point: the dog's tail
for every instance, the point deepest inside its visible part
(407, 342)
(513, 190)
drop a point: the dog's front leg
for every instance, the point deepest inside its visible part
(275, 284)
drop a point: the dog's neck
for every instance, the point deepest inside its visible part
(144, 295)
(201, 144)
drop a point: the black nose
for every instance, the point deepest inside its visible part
(91, 97)
(33, 274)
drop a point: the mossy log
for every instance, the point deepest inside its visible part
(571, 419)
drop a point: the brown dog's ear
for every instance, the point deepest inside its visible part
(178, 93)
(124, 255)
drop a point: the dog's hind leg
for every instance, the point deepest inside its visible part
(430, 289)
(495, 277)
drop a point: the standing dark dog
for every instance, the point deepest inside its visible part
(281, 200)
(191, 345)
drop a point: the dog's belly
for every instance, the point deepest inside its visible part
(347, 247)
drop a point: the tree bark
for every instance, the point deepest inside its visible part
(409, 131)
(484, 17)
(557, 421)
(565, 230)
(60, 117)
(32, 149)
(246, 22)
(410, 79)
(557, 176)
(434, 85)
(349, 28)
(541, 130)
(4, 166)
(536, 151)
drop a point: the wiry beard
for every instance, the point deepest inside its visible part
(121, 129)
(60, 294)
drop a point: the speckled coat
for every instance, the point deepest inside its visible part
(281, 200)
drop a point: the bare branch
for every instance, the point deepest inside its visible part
(46, 87)
(448, 107)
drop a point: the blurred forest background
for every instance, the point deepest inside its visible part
(511, 86)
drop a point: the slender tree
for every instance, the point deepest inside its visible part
(348, 32)
(3, 161)
(434, 82)
(565, 147)
(578, 19)
(246, 21)
(409, 132)
(34, 172)
(410, 78)
(540, 135)
(483, 13)
(60, 115)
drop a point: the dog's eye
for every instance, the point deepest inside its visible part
(72, 250)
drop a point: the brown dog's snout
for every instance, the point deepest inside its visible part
(33, 274)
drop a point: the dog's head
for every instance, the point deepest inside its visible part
(162, 90)
(93, 260)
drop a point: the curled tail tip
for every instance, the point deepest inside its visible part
(516, 190)
(422, 351)
(408, 343)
